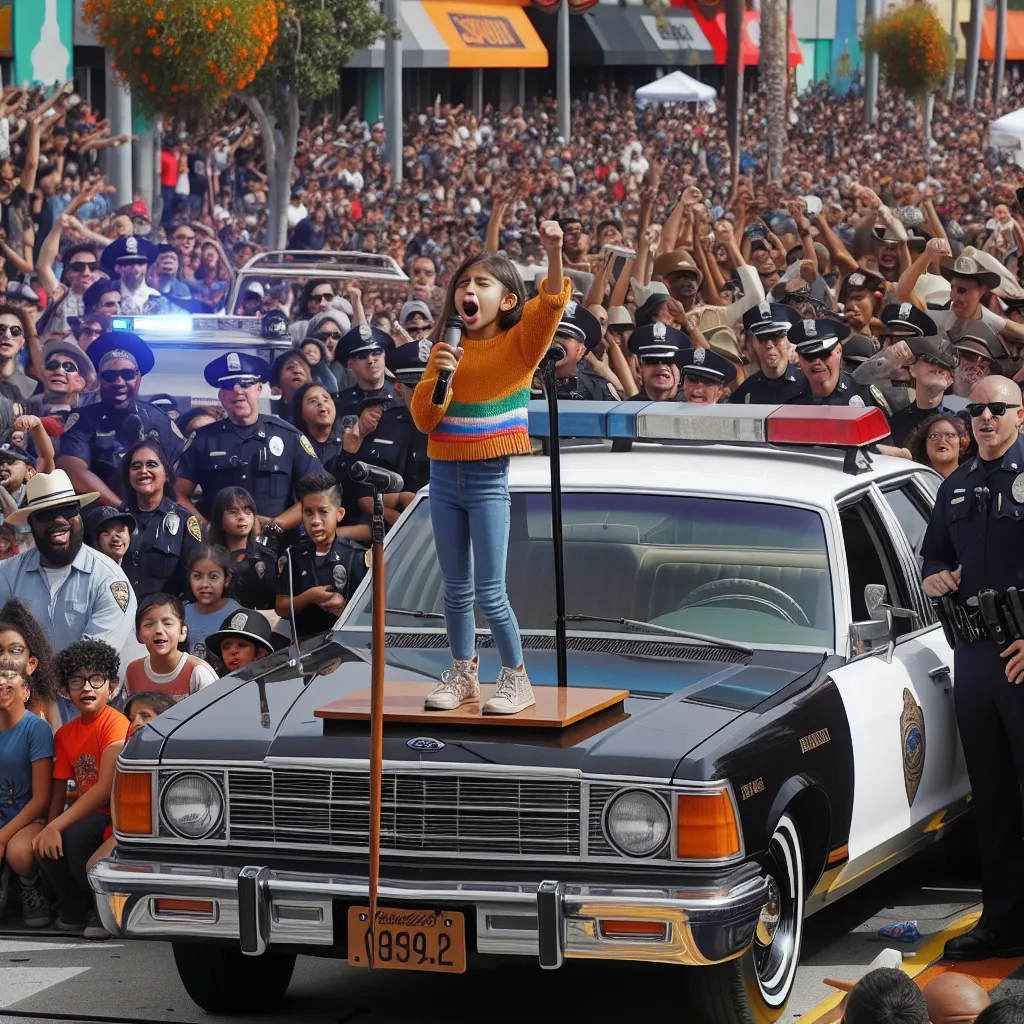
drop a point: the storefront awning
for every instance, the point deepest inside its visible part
(751, 41)
(1014, 35)
(422, 45)
(486, 35)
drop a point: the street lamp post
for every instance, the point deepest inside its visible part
(393, 91)
(564, 109)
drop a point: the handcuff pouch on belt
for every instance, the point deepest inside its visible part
(986, 615)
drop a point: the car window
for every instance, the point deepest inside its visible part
(912, 518)
(739, 570)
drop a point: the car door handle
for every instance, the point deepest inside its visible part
(939, 672)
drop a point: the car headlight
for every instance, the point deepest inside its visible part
(637, 823)
(192, 805)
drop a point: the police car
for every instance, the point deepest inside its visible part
(749, 573)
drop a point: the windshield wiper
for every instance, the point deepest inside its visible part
(667, 630)
(414, 612)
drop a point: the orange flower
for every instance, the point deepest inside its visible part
(156, 51)
(159, 15)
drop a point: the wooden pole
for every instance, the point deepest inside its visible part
(376, 710)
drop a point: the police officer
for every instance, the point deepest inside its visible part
(128, 258)
(249, 449)
(935, 359)
(96, 437)
(578, 332)
(406, 364)
(902, 320)
(706, 375)
(253, 572)
(377, 425)
(658, 348)
(165, 534)
(778, 380)
(975, 542)
(820, 355)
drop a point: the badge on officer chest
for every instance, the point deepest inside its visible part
(172, 523)
(276, 446)
(340, 575)
(193, 529)
(261, 570)
(1017, 490)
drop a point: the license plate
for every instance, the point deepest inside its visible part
(408, 940)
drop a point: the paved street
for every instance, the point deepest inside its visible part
(74, 980)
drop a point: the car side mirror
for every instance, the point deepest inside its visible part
(876, 600)
(873, 636)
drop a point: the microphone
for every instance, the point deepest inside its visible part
(555, 354)
(382, 479)
(453, 337)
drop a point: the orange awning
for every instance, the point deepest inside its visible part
(1014, 35)
(487, 35)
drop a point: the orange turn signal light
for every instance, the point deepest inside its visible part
(632, 929)
(176, 906)
(132, 803)
(706, 826)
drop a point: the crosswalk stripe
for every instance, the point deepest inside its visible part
(43, 946)
(18, 983)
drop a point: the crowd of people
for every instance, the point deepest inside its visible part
(880, 271)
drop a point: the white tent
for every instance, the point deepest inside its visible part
(1008, 133)
(676, 88)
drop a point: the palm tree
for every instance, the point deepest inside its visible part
(773, 66)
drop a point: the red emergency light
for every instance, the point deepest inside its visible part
(836, 426)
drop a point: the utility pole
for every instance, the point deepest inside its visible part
(564, 101)
(974, 50)
(393, 90)
(954, 41)
(871, 69)
(1000, 56)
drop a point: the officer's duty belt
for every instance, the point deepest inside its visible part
(988, 615)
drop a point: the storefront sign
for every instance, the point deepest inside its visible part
(676, 32)
(485, 31)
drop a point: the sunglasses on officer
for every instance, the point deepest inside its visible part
(238, 382)
(657, 361)
(112, 376)
(368, 354)
(997, 409)
(49, 515)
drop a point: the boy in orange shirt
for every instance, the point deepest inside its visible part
(86, 751)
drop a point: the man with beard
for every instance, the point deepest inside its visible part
(935, 361)
(658, 348)
(820, 355)
(978, 347)
(96, 437)
(71, 590)
(778, 380)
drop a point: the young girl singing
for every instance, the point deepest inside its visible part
(482, 422)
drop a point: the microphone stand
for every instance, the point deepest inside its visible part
(376, 708)
(554, 454)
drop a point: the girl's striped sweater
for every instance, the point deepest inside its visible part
(485, 415)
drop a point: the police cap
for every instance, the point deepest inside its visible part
(360, 340)
(906, 319)
(659, 341)
(407, 362)
(128, 249)
(935, 349)
(12, 453)
(122, 341)
(769, 318)
(857, 348)
(814, 338)
(234, 366)
(580, 324)
(861, 280)
(706, 364)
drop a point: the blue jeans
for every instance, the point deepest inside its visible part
(469, 510)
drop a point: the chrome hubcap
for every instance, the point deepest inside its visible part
(768, 921)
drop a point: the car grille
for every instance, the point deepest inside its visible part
(421, 812)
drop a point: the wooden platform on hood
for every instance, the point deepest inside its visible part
(403, 702)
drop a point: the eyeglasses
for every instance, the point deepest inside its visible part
(12, 329)
(93, 332)
(95, 682)
(324, 335)
(78, 266)
(321, 297)
(943, 435)
(49, 515)
(997, 409)
(112, 376)
(56, 364)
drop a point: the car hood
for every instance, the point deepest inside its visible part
(675, 705)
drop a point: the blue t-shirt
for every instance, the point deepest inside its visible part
(30, 740)
(200, 626)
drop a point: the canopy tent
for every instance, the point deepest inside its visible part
(676, 88)
(1008, 131)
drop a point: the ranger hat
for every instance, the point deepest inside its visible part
(223, 371)
(814, 338)
(706, 364)
(49, 490)
(679, 261)
(968, 266)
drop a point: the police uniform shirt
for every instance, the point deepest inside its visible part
(904, 422)
(846, 392)
(390, 446)
(253, 575)
(988, 543)
(327, 451)
(100, 435)
(342, 569)
(162, 544)
(642, 396)
(759, 389)
(267, 458)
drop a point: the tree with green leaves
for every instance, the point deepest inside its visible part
(316, 39)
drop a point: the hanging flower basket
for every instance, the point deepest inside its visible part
(913, 47)
(180, 54)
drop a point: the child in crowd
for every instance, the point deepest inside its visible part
(160, 626)
(86, 751)
(209, 576)
(109, 530)
(325, 568)
(26, 780)
(242, 638)
(139, 709)
(233, 525)
(24, 649)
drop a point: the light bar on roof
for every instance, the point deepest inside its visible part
(811, 425)
(172, 324)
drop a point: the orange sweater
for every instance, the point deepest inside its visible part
(485, 415)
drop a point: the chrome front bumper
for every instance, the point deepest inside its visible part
(259, 908)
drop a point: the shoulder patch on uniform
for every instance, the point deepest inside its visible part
(879, 398)
(177, 432)
(188, 441)
(193, 528)
(121, 593)
(72, 420)
(306, 446)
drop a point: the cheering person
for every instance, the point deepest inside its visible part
(480, 423)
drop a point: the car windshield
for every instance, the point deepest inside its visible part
(743, 571)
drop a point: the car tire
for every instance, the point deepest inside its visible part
(754, 988)
(221, 979)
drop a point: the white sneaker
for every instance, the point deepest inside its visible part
(514, 693)
(459, 685)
